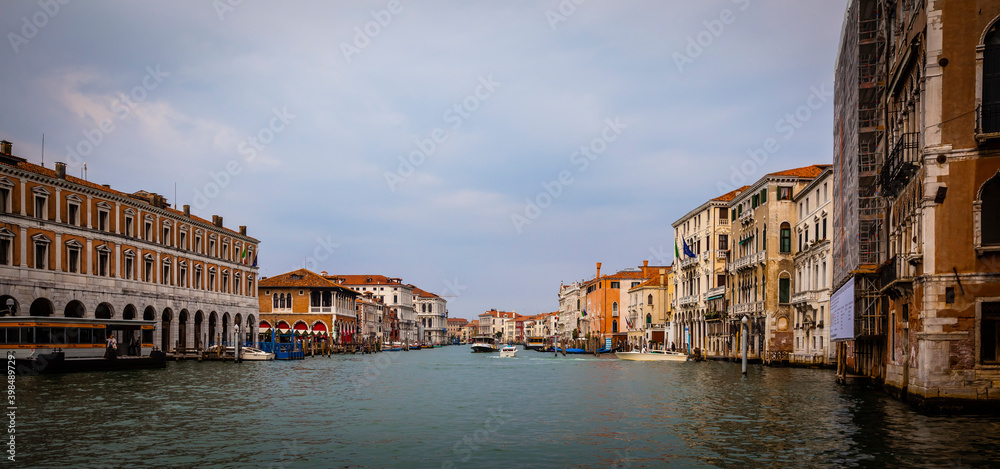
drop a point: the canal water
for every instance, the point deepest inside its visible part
(450, 408)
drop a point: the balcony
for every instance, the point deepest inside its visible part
(753, 307)
(746, 216)
(704, 256)
(900, 165)
(721, 255)
(688, 300)
(748, 260)
(717, 291)
(688, 262)
(803, 297)
(896, 273)
(987, 121)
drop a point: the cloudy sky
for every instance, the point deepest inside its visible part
(486, 150)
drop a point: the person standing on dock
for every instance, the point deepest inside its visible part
(111, 351)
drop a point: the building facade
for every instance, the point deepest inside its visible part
(393, 293)
(309, 304)
(432, 314)
(703, 238)
(813, 270)
(69, 247)
(650, 306)
(762, 263)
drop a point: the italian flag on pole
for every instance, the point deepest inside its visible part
(243, 257)
(677, 253)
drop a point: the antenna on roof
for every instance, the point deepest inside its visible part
(43, 149)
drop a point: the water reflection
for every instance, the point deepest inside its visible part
(449, 408)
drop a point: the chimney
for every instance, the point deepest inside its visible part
(663, 277)
(598, 270)
(217, 221)
(60, 170)
(243, 230)
(187, 211)
(645, 264)
(6, 147)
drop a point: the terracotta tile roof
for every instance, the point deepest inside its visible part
(731, 194)
(457, 321)
(653, 282)
(803, 172)
(33, 168)
(365, 280)
(302, 278)
(422, 293)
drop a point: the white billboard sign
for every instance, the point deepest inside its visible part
(842, 313)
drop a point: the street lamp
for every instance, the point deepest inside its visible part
(11, 309)
(236, 349)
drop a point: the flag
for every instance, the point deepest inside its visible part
(243, 257)
(254, 260)
(687, 250)
(677, 253)
(584, 312)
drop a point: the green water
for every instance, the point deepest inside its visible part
(450, 408)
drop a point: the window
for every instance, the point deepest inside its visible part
(783, 289)
(182, 275)
(225, 250)
(5, 198)
(986, 212)
(615, 285)
(166, 236)
(990, 114)
(989, 333)
(41, 252)
(824, 228)
(211, 247)
(763, 195)
(73, 213)
(147, 271)
(102, 220)
(614, 326)
(197, 278)
(129, 265)
(147, 233)
(786, 237)
(41, 207)
(197, 243)
(649, 300)
(103, 261)
(73, 256)
(754, 200)
(784, 193)
(211, 279)
(165, 278)
(614, 309)
(183, 240)
(5, 246)
(129, 224)
(723, 242)
(649, 318)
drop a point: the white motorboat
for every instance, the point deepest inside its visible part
(508, 351)
(255, 354)
(484, 344)
(653, 355)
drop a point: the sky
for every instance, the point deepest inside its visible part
(483, 151)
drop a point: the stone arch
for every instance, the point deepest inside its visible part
(224, 329)
(165, 320)
(129, 312)
(75, 309)
(182, 323)
(149, 314)
(199, 319)
(251, 328)
(9, 306)
(213, 327)
(104, 311)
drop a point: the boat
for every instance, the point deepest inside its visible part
(571, 350)
(484, 344)
(509, 351)
(652, 355)
(42, 344)
(534, 343)
(255, 354)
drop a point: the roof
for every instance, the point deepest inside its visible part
(803, 172)
(653, 282)
(423, 293)
(457, 321)
(34, 168)
(365, 280)
(500, 314)
(302, 278)
(731, 194)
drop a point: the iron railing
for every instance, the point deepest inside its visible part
(900, 164)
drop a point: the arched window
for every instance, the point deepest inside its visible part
(986, 214)
(649, 318)
(614, 309)
(786, 237)
(614, 326)
(649, 299)
(274, 301)
(990, 117)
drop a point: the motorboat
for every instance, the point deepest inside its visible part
(571, 350)
(508, 351)
(652, 355)
(484, 344)
(255, 354)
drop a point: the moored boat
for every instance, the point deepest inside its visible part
(255, 354)
(653, 355)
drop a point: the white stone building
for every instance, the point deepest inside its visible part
(813, 271)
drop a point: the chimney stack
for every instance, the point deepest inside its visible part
(60, 170)
(243, 230)
(187, 211)
(217, 221)
(663, 277)
(598, 270)
(6, 147)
